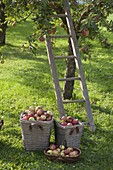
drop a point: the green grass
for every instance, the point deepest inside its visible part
(26, 80)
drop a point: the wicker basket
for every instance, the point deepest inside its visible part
(36, 134)
(62, 158)
(68, 135)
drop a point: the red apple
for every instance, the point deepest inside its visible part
(66, 152)
(39, 118)
(31, 115)
(41, 38)
(37, 108)
(73, 154)
(85, 32)
(63, 119)
(52, 146)
(69, 119)
(69, 124)
(40, 112)
(55, 152)
(49, 118)
(70, 149)
(64, 123)
(75, 121)
(25, 118)
(84, 49)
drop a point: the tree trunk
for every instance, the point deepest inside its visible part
(70, 72)
(3, 25)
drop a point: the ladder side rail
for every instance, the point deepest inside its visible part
(55, 77)
(79, 64)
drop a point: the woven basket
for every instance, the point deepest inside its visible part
(62, 158)
(68, 135)
(36, 134)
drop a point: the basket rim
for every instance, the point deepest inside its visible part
(69, 127)
(35, 121)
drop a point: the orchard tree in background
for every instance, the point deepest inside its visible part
(89, 16)
(3, 24)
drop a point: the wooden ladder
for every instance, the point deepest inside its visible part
(76, 56)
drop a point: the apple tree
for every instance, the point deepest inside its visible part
(88, 18)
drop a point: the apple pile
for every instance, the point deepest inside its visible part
(62, 151)
(68, 121)
(37, 113)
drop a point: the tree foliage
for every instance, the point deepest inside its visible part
(88, 18)
(91, 16)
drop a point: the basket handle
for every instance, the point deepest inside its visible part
(72, 130)
(33, 124)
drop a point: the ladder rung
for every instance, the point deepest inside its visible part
(69, 78)
(59, 15)
(73, 101)
(63, 57)
(60, 36)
